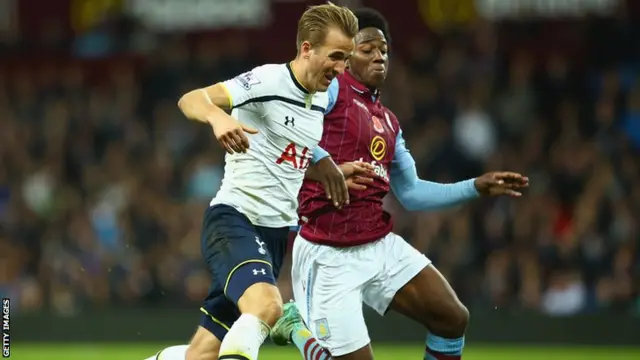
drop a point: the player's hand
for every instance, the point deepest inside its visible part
(501, 183)
(358, 174)
(231, 134)
(333, 180)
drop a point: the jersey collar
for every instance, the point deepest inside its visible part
(361, 89)
(295, 80)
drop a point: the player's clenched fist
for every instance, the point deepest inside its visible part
(231, 134)
(501, 183)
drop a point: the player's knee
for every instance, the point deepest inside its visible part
(262, 300)
(272, 311)
(460, 320)
(454, 322)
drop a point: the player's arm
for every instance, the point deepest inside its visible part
(415, 194)
(323, 169)
(338, 179)
(208, 105)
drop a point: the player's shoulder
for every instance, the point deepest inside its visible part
(391, 119)
(267, 74)
(339, 81)
(270, 68)
(270, 71)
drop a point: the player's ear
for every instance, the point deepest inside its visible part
(305, 49)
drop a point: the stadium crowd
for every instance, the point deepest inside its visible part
(103, 183)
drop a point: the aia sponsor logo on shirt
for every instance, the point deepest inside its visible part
(377, 124)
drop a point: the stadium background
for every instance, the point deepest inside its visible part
(103, 182)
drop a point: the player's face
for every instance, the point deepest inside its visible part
(370, 60)
(329, 59)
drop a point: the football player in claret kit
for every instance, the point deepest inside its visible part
(245, 229)
(344, 258)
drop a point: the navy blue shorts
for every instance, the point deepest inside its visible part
(238, 255)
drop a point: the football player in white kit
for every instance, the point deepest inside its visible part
(245, 230)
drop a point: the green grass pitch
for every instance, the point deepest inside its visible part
(383, 352)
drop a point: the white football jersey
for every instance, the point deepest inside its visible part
(263, 184)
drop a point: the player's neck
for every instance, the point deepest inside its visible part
(299, 69)
(374, 90)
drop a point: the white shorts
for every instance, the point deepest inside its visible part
(331, 283)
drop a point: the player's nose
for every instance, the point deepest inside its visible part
(378, 57)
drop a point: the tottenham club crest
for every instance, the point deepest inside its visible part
(261, 248)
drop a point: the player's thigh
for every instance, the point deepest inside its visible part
(238, 258)
(429, 299)
(412, 286)
(261, 297)
(203, 346)
(327, 286)
(400, 264)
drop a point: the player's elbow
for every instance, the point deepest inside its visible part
(409, 205)
(187, 101)
(407, 200)
(193, 105)
(183, 103)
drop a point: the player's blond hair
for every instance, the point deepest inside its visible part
(317, 20)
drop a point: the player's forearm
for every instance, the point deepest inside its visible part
(313, 171)
(197, 105)
(415, 194)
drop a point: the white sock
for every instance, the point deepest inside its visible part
(244, 339)
(178, 352)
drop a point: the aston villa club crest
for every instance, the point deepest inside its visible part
(377, 124)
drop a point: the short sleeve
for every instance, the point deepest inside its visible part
(332, 92)
(249, 87)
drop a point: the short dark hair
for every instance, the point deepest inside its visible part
(368, 17)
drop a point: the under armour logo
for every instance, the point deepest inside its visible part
(261, 248)
(261, 271)
(289, 119)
